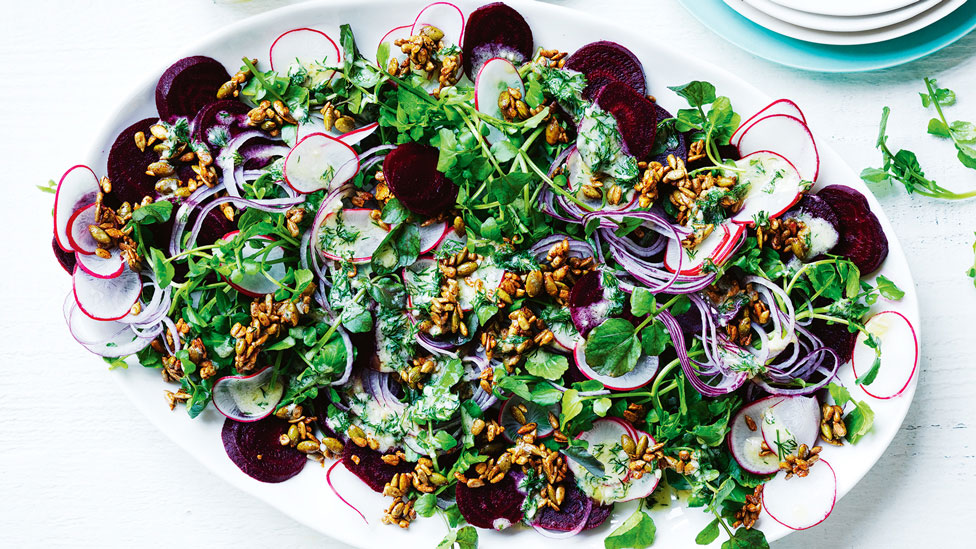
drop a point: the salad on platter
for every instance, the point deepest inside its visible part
(496, 281)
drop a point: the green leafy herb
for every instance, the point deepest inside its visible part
(859, 420)
(156, 212)
(612, 348)
(546, 365)
(962, 133)
(637, 532)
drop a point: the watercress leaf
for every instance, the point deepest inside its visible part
(840, 394)
(696, 92)
(545, 394)
(467, 538)
(654, 338)
(399, 248)
(874, 175)
(504, 150)
(425, 505)
(637, 532)
(938, 127)
(445, 440)
(859, 421)
(708, 534)
(282, 344)
(601, 405)
(506, 189)
(681, 306)
(163, 269)
(356, 318)
(490, 229)
(303, 277)
(642, 301)
(546, 365)
(746, 539)
(156, 212)
(966, 155)
(571, 406)
(963, 131)
(394, 213)
(586, 460)
(889, 289)
(612, 347)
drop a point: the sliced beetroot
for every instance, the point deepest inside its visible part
(668, 142)
(66, 259)
(586, 301)
(494, 506)
(189, 85)
(572, 510)
(127, 166)
(862, 240)
(495, 30)
(411, 173)
(598, 516)
(835, 336)
(604, 62)
(218, 122)
(371, 468)
(635, 114)
(214, 227)
(256, 449)
(814, 206)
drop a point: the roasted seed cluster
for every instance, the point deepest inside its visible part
(333, 118)
(424, 53)
(301, 437)
(749, 513)
(739, 328)
(784, 235)
(170, 158)
(832, 426)
(109, 230)
(232, 88)
(269, 318)
(799, 464)
(270, 116)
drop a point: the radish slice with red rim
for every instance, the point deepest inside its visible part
(775, 186)
(745, 443)
(78, 188)
(432, 235)
(319, 162)
(308, 47)
(485, 280)
(102, 267)
(422, 282)
(79, 237)
(604, 439)
(899, 355)
(533, 413)
(801, 502)
(355, 136)
(496, 75)
(444, 16)
(645, 485)
(89, 331)
(252, 280)
(780, 106)
(791, 138)
(248, 398)
(565, 336)
(642, 373)
(393, 51)
(349, 235)
(791, 422)
(713, 247)
(106, 298)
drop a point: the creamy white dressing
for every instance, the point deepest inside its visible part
(823, 237)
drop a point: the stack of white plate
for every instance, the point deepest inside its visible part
(844, 22)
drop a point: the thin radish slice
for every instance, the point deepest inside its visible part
(496, 75)
(106, 298)
(422, 282)
(899, 354)
(790, 136)
(745, 443)
(645, 485)
(355, 136)
(802, 502)
(780, 106)
(252, 280)
(308, 47)
(124, 344)
(486, 279)
(565, 336)
(79, 237)
(78, 188)
(533, 413)
(712, 248)
(248, 398)
(791, 422)
(445, 16)
(100, 267)
(604, 444)
(394, 52)
(432, 235)
(638, 377)
(319, 162)
(775, 186)
(349, 235)
(579, 174)
(89, 331)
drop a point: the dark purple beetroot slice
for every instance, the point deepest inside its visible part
(495, 30)
(220, 120)
(66, 259)
(862, 240)
(189, 85)
(255, 448)
(127, 166)
(598, 516)
(571, 511)
(260, 151)
(635, 114)
(371, 468)
(604, 62)
(411, 173)
(214, 227)
(835, 336)
(494, 506)
(814, 206)
(585, 301)
(668, 142)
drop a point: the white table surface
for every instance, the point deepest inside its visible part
(80, 467)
